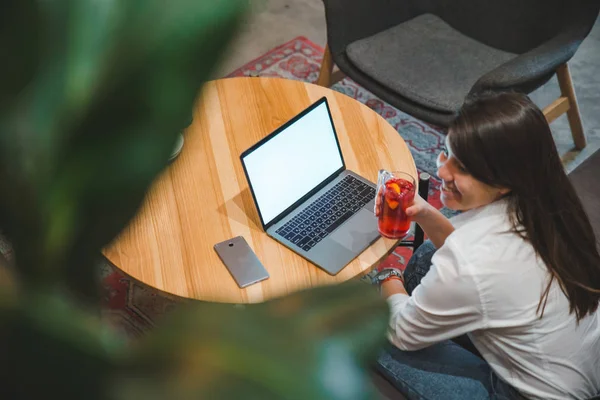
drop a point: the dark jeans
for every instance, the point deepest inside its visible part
(448, 370)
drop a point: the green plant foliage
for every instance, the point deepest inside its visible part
(82, 139)
(309, 345)
(92, 97)
(50, 348)
(314, 344)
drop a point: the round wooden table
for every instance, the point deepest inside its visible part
(203, 197)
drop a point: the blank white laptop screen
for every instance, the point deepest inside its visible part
(293, 162)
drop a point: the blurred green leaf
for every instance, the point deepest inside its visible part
(83, 140)
(50, 348)
(310, 345)
(355, 310)
(19, 47)
(92, 97)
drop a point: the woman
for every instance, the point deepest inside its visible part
(518, 270)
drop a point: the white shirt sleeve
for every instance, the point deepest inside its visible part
(446, 304)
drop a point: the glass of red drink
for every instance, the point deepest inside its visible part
(397, 193)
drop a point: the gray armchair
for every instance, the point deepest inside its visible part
(425, 56)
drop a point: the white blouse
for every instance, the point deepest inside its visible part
(487, 282)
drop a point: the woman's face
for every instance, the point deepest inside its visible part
(460, 191)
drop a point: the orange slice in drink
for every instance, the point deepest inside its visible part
(394, 186)
(392, 204)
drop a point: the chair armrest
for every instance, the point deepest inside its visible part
(351, 20)
(534, 64)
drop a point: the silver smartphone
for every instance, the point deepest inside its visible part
(241, 261)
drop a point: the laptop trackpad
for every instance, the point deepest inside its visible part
(358, 232)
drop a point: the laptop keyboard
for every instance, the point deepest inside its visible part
(327, 213)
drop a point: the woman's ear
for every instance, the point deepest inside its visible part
(501, 193)
(504, 191)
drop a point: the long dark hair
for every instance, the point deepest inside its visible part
(504, 140)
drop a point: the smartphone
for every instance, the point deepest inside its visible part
(240, 260)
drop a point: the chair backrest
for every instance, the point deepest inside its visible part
(512, 25)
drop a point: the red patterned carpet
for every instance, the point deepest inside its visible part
(133, 307)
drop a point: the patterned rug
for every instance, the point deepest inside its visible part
(133, 307)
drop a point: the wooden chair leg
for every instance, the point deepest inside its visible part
(567, 90)
(567, 103)
(327, 76)
(326, 69)
(557, 108)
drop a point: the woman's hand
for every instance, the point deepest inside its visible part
(378, 202)
(436, 226)
(419, 209)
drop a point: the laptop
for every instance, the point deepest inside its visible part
(305, 197)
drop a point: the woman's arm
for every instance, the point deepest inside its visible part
(446, 304)
(392, 287)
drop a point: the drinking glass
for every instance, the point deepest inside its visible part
(396, 191)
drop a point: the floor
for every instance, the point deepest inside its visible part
(274, 22)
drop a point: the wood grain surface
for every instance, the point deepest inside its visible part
(203, 197)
